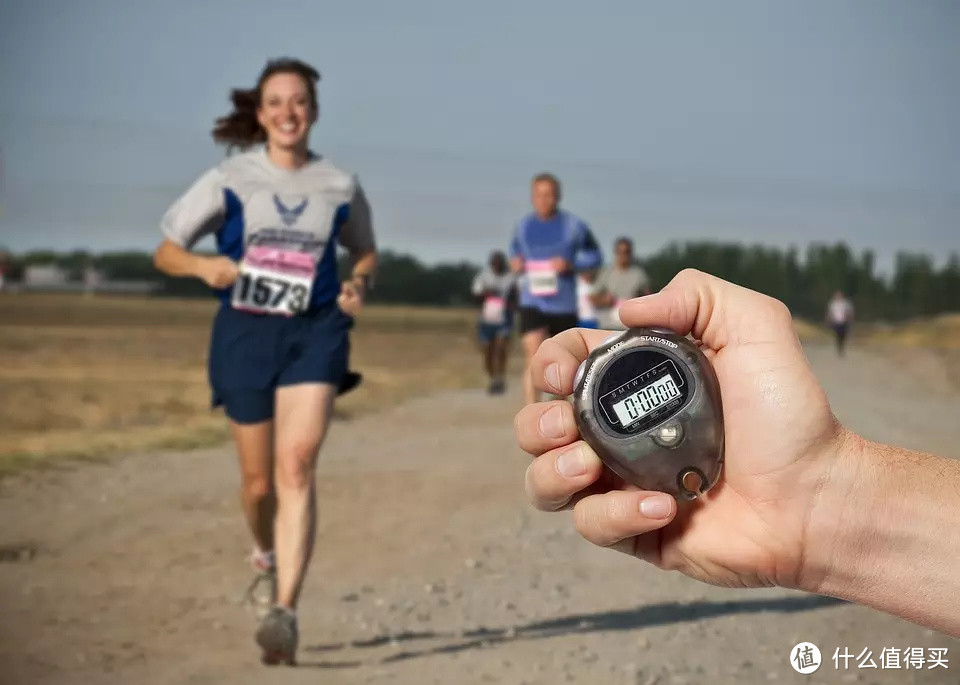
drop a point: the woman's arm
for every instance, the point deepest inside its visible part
(174, 260)
(354, 291)
(364, 268)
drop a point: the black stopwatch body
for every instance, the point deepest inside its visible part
(648, 402)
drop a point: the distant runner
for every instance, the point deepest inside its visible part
(548, 246)
(840, 318)
(495, 289)
(280, 344)
(621, 281)
(586, 289)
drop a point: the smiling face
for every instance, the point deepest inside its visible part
(286, 111)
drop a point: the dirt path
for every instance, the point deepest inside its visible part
(431, 567)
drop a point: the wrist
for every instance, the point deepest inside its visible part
(360, 283)
(883, 531)
(842, 502)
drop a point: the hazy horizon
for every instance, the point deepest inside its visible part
(746, 122)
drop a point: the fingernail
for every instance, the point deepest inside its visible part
(553, 376)
(571, 464)
(656, 506)
(551, 423)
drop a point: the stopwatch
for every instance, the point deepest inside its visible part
(648, 402)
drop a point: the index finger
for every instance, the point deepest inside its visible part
(555, 364)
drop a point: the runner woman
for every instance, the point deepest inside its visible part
(279, 348)
(495, 288)
(548, 246)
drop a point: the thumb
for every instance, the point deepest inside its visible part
(715, 311)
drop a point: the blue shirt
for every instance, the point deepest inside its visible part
(562, 235)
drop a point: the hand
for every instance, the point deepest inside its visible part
(516, 265)
(350, 299)
(781, 443)
(561, 265)
(218, 272)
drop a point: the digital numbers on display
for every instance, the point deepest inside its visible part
(646, 400)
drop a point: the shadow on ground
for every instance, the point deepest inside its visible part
(627, 619)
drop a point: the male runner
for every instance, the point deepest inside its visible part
(548, 247)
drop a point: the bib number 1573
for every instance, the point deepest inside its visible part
(274, 282)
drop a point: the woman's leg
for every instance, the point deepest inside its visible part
(254, 443)
(302, 416)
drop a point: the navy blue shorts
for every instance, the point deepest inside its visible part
(487, 332)
(251, 355)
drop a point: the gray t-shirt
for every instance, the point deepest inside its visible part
(623, 284)
(247, 201)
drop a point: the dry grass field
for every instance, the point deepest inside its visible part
(87, 377)
(90, 376)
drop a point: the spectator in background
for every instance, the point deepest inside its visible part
(548, 247)
(621, 281)
(495, 289)
(840, 318)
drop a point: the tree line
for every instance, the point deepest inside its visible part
(916, 287)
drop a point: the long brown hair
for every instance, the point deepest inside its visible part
(240, 127)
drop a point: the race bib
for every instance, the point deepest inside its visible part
(542, 278)
(494, 310)
(274, 281)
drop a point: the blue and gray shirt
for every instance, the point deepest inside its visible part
(562, 235)
(247, 201)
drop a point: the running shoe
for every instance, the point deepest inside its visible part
(278, 637)
(497, 386)
(261, 593)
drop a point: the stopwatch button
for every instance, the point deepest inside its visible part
(580, 371)
(692, 481)
(669, 435)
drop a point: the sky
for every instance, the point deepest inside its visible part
(781, 123)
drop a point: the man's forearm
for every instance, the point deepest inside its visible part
(885, 532)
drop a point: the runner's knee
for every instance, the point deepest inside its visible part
(257, 486)
(295, 464)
